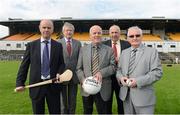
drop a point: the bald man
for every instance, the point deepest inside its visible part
(116, 42)
(42, 69)
(106, 63)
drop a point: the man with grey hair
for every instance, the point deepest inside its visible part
(117, 44)
(97, 60)
(138, 68)
(71, 49)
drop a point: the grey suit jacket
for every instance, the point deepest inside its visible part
(106, 66)
(146, 71)
(71, 61)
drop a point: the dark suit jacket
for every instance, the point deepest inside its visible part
(124, 44)
(32, 58)
(71, 61)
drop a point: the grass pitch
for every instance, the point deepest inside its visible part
(167, 92)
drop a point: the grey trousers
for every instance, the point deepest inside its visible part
(130, 108)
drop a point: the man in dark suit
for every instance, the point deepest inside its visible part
(71, 49)
(44, 57)
(105, 67)
(117, 45)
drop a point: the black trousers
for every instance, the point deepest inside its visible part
(101, 105)
(52, 99)
(116, 89)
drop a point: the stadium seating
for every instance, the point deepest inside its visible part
(18, 37)
(79, 36)
(174, 36)
(33, 37)
(150, 37)
(55, 36)
(82, 36)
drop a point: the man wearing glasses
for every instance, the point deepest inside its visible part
(138, 68)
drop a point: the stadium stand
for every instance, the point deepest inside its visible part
(18, 37)
(55, 36)
(162, 34)
(174, 36)
(150, 37)
(33, 37)
(81, 36)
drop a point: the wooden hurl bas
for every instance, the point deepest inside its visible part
(66, 76)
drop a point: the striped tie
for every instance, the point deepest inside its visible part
(132, 61)
(95, 60)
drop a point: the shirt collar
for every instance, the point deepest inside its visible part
(117, 42)
(98, 46)
(42, 39)
(68, 39)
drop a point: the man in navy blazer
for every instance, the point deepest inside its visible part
(114, 33)
(33, 59)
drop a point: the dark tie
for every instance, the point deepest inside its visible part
(45, 69)
(115, 51)
(95, 60)
(132, 61)
(69, 47)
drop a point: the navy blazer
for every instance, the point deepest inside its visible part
(32, 59)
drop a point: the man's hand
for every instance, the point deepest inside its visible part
(19, 89)
(98, 76)
(132, 83)
(57, 78)
(123, 81)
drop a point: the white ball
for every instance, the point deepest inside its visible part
(91, 85)
(128, 82)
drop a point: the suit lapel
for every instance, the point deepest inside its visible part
(39, 51)
(89, 55)
(109, 43)
(122, 45)
(73, 47)
(127, 57)
(102, 52)
(140, 54)
(53, 49)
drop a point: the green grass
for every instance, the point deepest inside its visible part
(167, 92)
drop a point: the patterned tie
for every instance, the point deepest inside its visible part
(115, 51)
(45, 69)
(132, 61)
(95, 60)
(69, 47)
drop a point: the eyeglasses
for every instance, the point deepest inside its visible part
(132, 36)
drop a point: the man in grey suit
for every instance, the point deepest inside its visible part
(106, 67)
(138, 68)
(71, 49)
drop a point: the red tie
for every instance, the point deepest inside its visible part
(69, 47)
(115, 51)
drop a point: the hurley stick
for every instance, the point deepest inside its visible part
(66, 76)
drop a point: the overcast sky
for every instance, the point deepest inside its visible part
(88, 9)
